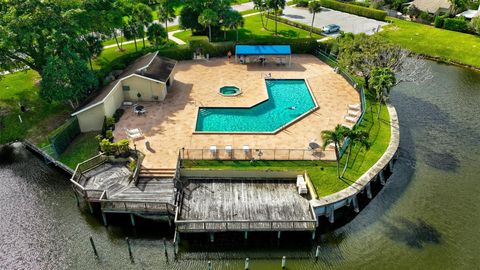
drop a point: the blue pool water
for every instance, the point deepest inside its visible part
(288, 99)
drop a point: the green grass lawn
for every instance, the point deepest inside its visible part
(82, 148)
(253, 30)
(41, 117)
(431, 41)
(110, 54)
(324, 173)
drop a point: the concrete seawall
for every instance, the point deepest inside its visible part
(326, 206)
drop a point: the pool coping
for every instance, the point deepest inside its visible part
(312, 95)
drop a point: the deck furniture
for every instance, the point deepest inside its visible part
(351, 119)
(301, 185)
(228, 149)
(349, 126)
(353, 113)
(246, 149)
(213, 149)
(135, 133)
(355, 107)
(139, 110)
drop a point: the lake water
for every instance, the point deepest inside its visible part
(426, 217)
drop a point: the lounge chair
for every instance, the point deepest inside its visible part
(246, 149)
(228, 149)
(355, 107)
(349, 126)
(213, 149)
(353, 113)
(351, 119)
(135, 133)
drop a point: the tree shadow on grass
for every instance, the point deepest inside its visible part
(414, 233)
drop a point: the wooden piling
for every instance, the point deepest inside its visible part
(76, 198)
(93, 247)
(129, 249)
(209, 265)
(104, 217)
(132, 219)
(317, 253)
(284, 262)
(247, 264)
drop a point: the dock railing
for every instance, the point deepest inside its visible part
(254, 154)
(331, 60)
(245, 225)
(109, 205)
(79, 179)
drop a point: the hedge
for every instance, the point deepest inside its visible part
(296, 24)
(439, 21)
(354, 9)
(459, 25)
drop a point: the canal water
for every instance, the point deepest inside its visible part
(426, 217)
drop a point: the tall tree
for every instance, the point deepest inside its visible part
(276, 5)
(208, 18)
(66, 79)
(166, 12)
(233, 20)
(32, 30)
(156, 34)
(93, 48)
(142, 16)
(314, 7)
(383, 80)
(336, 137)
(130, 31)
(356, 137)
(261, 6)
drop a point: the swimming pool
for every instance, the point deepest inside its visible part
(288, 100)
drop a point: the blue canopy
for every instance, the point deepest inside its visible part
(263, 50)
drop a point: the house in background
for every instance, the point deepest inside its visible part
(146, 79)
(433, 6)
(469, 14)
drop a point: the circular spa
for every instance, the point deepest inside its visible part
(230, 91)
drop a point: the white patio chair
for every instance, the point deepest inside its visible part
(355, 107)
(349, 126)
(228, 149)
(353, 113)
(246, 149)
(135, 133)
(213, 149)
(351, 119)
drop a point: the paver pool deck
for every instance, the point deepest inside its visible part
(169, 125)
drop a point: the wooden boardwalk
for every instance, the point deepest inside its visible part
(243, 205)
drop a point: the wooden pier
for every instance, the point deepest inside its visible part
(219, 205)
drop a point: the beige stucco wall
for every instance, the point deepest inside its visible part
(114, 100)
(147, 88)
(91, 119)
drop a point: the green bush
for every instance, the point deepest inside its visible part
(119, 148)
(302, 3)
(439, 21)
(354, 9)
(454, 24)
(426, 17)
(110, 122)
(132, 165)
(109, 135)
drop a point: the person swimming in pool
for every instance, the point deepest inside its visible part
(292, 108)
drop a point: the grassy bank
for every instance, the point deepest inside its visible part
(324, 173)
(40, 118)
(253, 30)
(82, 148)
(434, 42)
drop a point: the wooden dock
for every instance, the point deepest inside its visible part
(216, 205)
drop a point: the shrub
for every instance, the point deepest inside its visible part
(119, 148)
(109, 135)
(302, 3)
(118, 114)
(426, 17)
(454, 24)
(475, 25)
(439, 21)
(354, 9)
(296, 24)
(132, 165)
(110, 122)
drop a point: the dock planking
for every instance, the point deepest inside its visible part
(244, 205)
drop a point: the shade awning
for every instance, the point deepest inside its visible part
(263, 50)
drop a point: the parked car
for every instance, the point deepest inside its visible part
(331, 28)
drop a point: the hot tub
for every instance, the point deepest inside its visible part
(230, 91)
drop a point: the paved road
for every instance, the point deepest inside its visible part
(348, 22)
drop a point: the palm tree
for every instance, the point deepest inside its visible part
(260, 5)
(207, 19)
(314, 7)
(382, 80)
(142, 15)
(356, 137)
(166, 13)
(233, 20)
(276, 5)
(336, 137)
